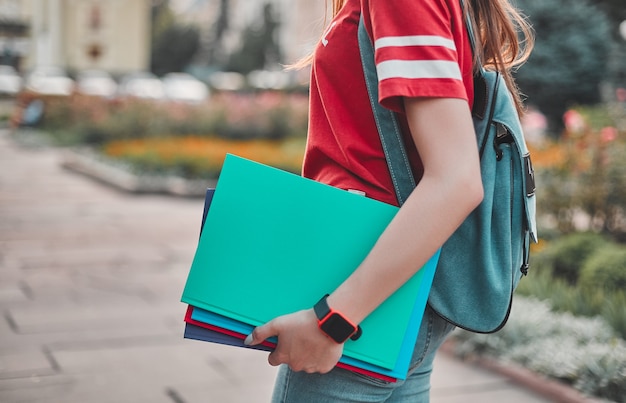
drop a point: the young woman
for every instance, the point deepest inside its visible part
(425, 70)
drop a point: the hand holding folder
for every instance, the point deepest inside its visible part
(282, 241)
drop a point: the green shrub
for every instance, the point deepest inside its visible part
(590, 297)
(614, 313)
(194, 167)
(581, 302)
(148, 163)
(605, 269)
(583, 352)
(564, 297)
(570, 253)
(540, 283)
(604, 377)
(614, 207)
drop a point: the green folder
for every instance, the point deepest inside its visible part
(279, 242)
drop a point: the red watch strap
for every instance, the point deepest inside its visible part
(323, 311)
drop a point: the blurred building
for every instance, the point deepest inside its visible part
(14, 32)
(112, 35)
(301, 23)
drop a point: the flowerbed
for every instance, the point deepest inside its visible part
(582, 352)
(581, 178)
(85, 120)
(194, 157)
(581, 273)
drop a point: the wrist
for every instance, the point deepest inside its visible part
(334, 324)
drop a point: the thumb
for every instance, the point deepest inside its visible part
(261, 333)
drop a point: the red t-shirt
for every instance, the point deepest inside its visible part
(421, 50)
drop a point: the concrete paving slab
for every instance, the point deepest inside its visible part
(112, 372)
(36, 389)
(12, 294)
(35, 318)
(245, 376)
(20, 364)
(454, 381)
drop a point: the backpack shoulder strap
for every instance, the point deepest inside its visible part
(386, 122)
(470, 29)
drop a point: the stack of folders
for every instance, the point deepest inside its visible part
(273, 243)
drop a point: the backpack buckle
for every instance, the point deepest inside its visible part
(530, 176)
(503, 136)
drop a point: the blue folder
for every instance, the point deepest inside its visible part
(199, 333)
(399, 371)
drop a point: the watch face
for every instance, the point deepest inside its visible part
(337, 328)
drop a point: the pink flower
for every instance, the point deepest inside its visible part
(574, 122)
(608, 134)
(534, 124)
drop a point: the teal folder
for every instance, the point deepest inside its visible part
(278, 242)
(219, 328)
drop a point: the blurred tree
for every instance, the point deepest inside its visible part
(173, 44)
(259, 47)
(216, 53)
(569, 61)
(161, 16)
(615, 10)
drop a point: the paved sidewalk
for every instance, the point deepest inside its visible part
(90, 281)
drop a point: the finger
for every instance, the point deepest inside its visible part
(261, 333)
(325, 370)
(274, 359)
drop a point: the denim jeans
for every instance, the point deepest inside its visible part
(340, 385)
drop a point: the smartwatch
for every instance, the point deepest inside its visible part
(334, 324)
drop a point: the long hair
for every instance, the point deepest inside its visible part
(308, 59)
(497, 25)
(506, 38)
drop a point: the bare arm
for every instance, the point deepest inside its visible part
(449, 190)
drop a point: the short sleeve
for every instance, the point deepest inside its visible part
(416, 47)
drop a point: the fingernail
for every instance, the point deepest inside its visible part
(248, 340)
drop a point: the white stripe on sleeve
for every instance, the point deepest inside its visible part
(418, 69)
(415, 40)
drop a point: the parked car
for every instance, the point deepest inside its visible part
(96, 82)
(185, 88)
(141, 85)
(50, 80)
(227, 81)
(10, 81)
(269, 79)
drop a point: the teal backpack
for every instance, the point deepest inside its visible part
(482, 262)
